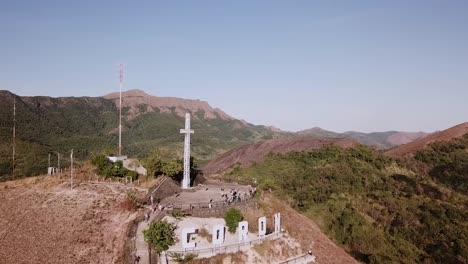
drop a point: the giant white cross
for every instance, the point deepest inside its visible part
(187, 131)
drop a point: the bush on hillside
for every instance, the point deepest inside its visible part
(232, 217)
(105, 167)
(378, 215)
(160, 235)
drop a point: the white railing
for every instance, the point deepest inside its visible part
(227, 248)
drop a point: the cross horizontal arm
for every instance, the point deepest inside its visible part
(184, 131)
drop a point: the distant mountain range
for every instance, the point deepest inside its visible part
(381, 140)
(89, 125)
(445, 135)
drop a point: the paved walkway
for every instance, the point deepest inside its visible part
(141, 247)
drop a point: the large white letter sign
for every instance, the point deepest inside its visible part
(218, 235)
(186, 237)
(277, 222)
(262, 226)
(243, 231)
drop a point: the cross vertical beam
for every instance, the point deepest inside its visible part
(187, 131)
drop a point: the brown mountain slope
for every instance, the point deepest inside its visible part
(414, 146)
(381, 140)
(248, 154)
(134, 98)
(400, 138)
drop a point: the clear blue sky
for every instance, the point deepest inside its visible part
(340, 65)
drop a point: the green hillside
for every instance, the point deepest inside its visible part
(89, 126)
(379, 209)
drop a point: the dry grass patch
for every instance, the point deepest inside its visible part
(233, 258)
(280, 249)
(264, 248)
(251, 215)
(205, 234)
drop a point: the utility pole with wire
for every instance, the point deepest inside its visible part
(58, 164)
(120, 108)
(14, 134)
(71, 170)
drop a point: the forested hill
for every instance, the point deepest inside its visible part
(89, 125)
(381, 210)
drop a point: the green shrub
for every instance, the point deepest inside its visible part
(232, 217)
(133, 175)
(105, 167)
(160, 234)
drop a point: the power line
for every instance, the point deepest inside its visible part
(120, 108)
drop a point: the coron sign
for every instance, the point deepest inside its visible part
(218, 232)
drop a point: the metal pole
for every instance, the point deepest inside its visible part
(58, 164)
(14, 134)
(71, 170)
(120, 109)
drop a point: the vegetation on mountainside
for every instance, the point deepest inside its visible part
(378, 210)
(89, 126)
(160, 234)
(161, 163)
(232, 217)
(448, 162)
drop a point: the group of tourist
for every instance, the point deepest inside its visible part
(236, 195)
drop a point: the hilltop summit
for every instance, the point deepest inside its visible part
(446, 135)
(135, 98)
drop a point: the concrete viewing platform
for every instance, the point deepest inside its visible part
(199, 197)
(203, 195)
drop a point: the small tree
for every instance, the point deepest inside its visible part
(106, 168)
(232, 217)
(172, 167)
(102, 164)
(153, 163)
(118, 169)
(160, 235)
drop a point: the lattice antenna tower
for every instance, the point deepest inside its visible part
(120, 108)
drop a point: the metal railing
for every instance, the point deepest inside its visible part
(206, 205)
(227, 248)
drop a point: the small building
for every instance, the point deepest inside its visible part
(116, 158)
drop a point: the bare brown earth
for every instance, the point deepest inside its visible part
(134, 98)
(414, 146)
(248, 154)
(43, 221)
